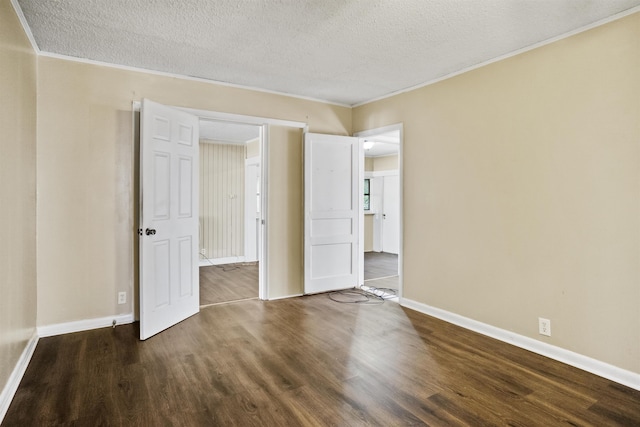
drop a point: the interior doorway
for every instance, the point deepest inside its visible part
(230, 203)
(381, 240)
(177, 187)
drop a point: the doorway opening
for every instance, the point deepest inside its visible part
(381, 214)
(168, 279)
(229, 217)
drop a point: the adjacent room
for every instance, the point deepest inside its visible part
(382, 211)
(229, 203)
(183, 187)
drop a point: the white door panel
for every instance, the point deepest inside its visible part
(169, 278)
(331, 212)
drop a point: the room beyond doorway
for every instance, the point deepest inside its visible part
(381, 271)
(226, 283)
(381, 213)
(230, 211)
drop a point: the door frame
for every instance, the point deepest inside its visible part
(369, 133)
(264, 122)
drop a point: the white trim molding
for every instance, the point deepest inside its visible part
(11, 387)
(376, 174)
(179, 76)
(206, 262)
(285, 297)
(25, 28)
(84, 325)
(596, 367)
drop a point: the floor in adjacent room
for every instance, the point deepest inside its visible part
(235, 282)
(228, 283)
(381, 270)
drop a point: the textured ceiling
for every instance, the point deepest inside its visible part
(346, 52)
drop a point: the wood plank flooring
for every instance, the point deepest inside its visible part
(308, 361)
(381, 270)
(380, 264)
(228, 282)
(233, 282)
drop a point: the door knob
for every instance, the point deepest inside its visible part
(150, 231)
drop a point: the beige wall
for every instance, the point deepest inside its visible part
(285, 213)
(253, 148)
(368, 164)
(221, 199)
(522, 192)
(385, 163)
(368, 233)
(86, 211)
(17, 191)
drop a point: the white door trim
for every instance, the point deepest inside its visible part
(371, 132)
(375, 174)
(240, 118)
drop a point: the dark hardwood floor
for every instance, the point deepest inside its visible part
(228, 282)
(308, 361)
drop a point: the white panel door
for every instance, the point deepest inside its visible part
(169, 281)
(391, 214)
(331, 213)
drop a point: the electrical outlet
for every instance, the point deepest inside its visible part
(122, 297)
(203, 251)
(544, 326)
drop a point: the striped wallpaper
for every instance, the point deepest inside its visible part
(222, 199)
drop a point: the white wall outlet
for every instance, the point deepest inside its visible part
(122, 297)
(203, 251)
(544, 326)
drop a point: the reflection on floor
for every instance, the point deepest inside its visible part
(381, 270)
(228, 282)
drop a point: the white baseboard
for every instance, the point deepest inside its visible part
(597, 367)
(13, 382)
(218, 261)
(285, 297)
(83, 325)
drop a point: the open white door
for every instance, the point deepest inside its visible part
(331, 241)
(169, 281)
